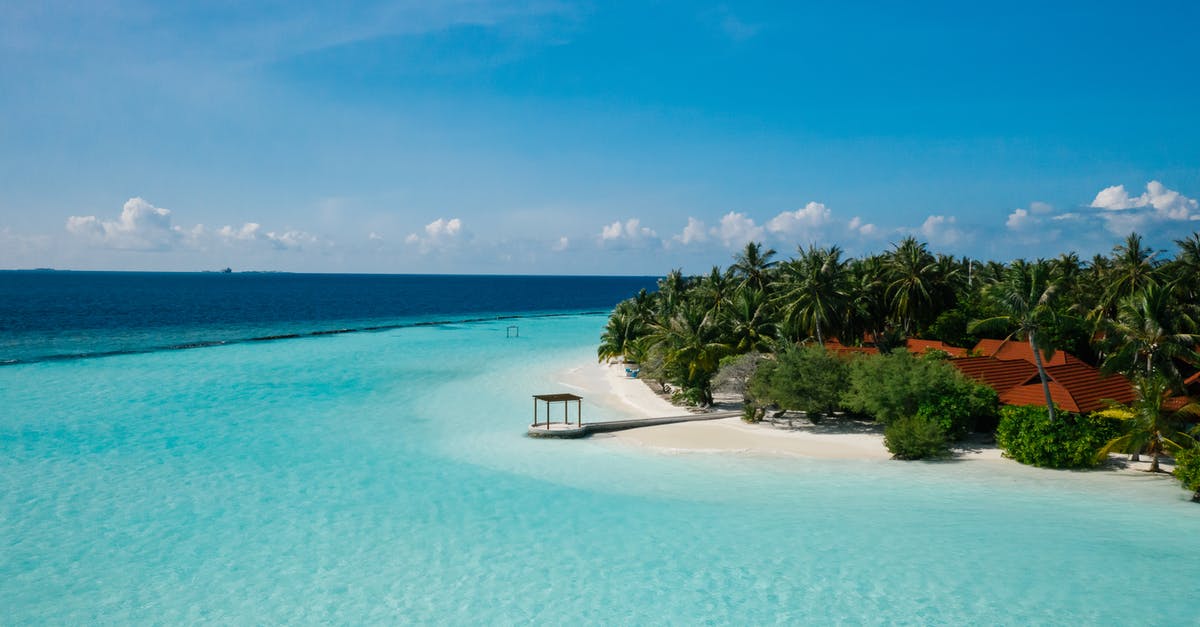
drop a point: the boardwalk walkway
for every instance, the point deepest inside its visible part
(566, 430)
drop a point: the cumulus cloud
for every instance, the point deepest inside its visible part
(629, 233)
(141, 226)
(864, 229)
(736, 229)
(562, 244)
(440, 233)
(805, 222)
(144, 227)
(1158, 205)
(941, 231)
(694, 233)
(291, 239)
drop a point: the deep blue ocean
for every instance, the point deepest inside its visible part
(64, 315)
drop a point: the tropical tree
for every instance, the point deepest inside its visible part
(867, 312)
(1150, 333)
(692, 344)
(716, 289)
(753, 265)
(751, 322)
(1133, 268)
(1150, 425)
(1026, 295)
(813, 291)
(912, 274)
(621, 333)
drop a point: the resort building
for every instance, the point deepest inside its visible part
(1009, 368)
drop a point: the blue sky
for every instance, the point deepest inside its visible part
(586, 138)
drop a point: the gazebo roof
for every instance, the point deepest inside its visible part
(555, 398)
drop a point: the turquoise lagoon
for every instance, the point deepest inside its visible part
(384, 476)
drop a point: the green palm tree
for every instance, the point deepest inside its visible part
(716, 289)
(753, 265)
(868, 309)
(813, 291)
(692, 344)
(1133, 268)
(1149, 425)
(1150, 333)
(621, 333)
(912, 282)
(1026, 295)
(750, 320)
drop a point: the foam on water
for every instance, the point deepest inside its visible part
(384, 477)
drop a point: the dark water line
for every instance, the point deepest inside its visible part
(287, 336)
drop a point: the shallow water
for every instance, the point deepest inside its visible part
(385, 476)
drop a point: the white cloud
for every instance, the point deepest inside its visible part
(291, 239)
(248, 231)
(736, 229)
(562, 244)
(864, 229)
(441, 233)
(1039, 207)
(141, 226)
(627, 234)
(940, 231)
(694, 233)
(1019, 219)
(805, 221)
(374, 237)
(1123, 213)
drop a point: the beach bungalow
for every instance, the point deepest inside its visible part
(1009, 368)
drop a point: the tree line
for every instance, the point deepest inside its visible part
(1133, 311)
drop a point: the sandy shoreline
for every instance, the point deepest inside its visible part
(610, 395)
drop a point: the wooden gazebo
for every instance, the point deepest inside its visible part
(566, 400)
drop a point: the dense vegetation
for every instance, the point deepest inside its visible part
(766, 320)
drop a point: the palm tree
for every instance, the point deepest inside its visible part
(692, 345)
(913, 275)
(1133, 268)
(750, 319)
(1150, 332)
(621, 333)
(754, 265)
(813, 291)
(868, 309)
(1149, 425)
(716, 289)
(1186, 266)
(672, 291)
(1027, 296)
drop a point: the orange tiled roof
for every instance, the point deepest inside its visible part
(1074, 385)
(1009, 350)
(1032, 394)
(923, 346)
(997, 374)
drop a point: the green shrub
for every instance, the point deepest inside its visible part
(1187, 470)
(915, 437)
(900, 385)
(808, 379)
(1071, 441)
(959, 409)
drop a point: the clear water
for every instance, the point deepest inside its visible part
(384, 477)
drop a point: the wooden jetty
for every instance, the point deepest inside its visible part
(579, 429)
